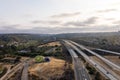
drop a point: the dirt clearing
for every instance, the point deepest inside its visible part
(48, 70)
(51, 44)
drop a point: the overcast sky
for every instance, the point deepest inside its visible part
(59, 16)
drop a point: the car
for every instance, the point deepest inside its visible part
(95, 64)
(84, 75)
(107, 72)
(47, 59)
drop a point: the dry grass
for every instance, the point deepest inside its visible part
(51, 44)
(54, 68)
(114, 59)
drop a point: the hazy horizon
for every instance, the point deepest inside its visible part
(59, 16)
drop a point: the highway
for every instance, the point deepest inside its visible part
(107, 51)
(79, 69)
(25, 72)
(89, 60)
(109, 63)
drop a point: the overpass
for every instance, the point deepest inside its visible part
(111, 64)
(79, 69)
(111, 76)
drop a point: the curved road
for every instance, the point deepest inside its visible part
(79, 69)
(97, 66)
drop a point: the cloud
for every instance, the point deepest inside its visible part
(54, 30)
(87, 22)
(64, 15)
(107, 10)
(45, 30)
(105, 28)
(46, 22)
(79, 26)
(111, 19)
(8, 27)
(117, 22)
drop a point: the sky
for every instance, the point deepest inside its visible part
(59, 16)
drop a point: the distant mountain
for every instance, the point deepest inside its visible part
(22, 37)
(48, 37)
(75, 35)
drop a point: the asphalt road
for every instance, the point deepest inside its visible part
(97, 66)
(107, 51)
(79, 69)
(25, 71)
(111, 64)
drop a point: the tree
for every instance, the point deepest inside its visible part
(97, 77)
(14, 48)
(39, 58)
(17, 59)
(32, 48)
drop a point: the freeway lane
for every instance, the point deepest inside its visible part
(95, 65)
(111, 64)
(25, 72)
(107, 51)
(79, 69)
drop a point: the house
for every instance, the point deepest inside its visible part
(23, 51)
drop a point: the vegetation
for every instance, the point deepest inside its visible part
(119, 57)
(22, 37)
(98, 76)
(95, 74)
(12, 44)
(39, 58)
(83, 59)
(110, 40)
(104, 42)
(90, 69)
(1, 69)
